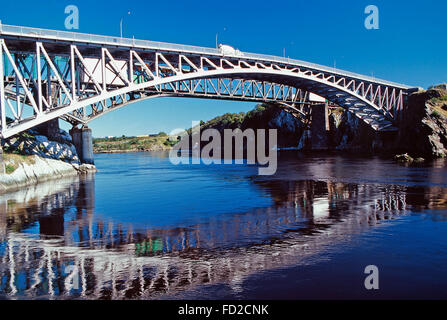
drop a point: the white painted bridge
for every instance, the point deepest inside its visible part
(49, 74)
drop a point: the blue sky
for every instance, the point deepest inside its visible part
(409, 47)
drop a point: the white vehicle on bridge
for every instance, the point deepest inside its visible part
(227, 50)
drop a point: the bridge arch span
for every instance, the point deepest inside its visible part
(295, 86)
(81, 77)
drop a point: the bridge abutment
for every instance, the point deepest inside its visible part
(83, 141)
(319, 127)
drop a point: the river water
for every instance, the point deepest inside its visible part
(142, 228)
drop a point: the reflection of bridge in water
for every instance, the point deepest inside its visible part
(109, 259)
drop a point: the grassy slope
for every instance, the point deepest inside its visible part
(439, 105)
(12, 161)
(129, 144)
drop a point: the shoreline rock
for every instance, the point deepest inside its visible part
(42, 169)
(406, 158)
(30, 158)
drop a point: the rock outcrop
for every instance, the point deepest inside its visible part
(30, 158)
(348, 133)
(264, 116)
(31, 143)
(290, 128)
(422, 129)
(37, 169)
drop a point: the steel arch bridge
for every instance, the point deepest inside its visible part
(47, 74)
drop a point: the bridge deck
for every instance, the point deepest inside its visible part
(55, 35)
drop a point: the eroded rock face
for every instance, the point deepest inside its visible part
(38, 169)
(305, 142)
(45, 160)
(29, 144)
(288, 126)
(423, 130)
(349, 133)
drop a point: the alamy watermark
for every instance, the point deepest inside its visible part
(372, 20)
(372, 280)
(255, 146)
(72, 20)
(72, 279)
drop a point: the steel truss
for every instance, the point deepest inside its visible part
(43, 78)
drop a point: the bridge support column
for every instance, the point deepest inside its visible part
(319, 127)
(83, 141)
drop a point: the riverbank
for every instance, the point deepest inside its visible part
(29, 158)
(421, 134)
(159, 142)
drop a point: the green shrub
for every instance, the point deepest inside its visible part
(436, 114)
(170, 143)
(9, 168)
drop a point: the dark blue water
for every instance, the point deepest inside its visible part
(142, 228)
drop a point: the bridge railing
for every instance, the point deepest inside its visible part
(92, 38)
(109, 40)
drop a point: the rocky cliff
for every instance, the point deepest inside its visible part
(348, 133)
(31, 143)
(264, 116)
(422, 129)
(29, 158)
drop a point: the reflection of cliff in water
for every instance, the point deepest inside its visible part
(112, 260)
(45, 205)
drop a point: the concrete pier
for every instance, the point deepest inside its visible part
(83, 141)
(319, 127)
